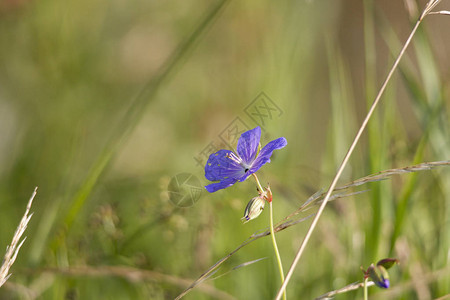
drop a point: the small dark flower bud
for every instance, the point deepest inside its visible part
(379, 275)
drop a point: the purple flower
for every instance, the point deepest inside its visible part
(228, 168)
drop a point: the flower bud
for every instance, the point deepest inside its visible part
(379, 275)
(253, 209)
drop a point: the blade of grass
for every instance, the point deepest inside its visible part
(341, 97)
(133, 115)
(427, 97)
(431, 112)
(375, 142)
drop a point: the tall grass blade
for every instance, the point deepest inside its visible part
(135, 112)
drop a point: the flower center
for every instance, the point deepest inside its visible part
(238, 160)
(234, 158)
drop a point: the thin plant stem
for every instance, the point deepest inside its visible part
(345, 289)
(366, 294)
(275, 247)
(260, 188)
(272, 234)
(345, 161)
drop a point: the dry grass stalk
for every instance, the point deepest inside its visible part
(13, 249)
(345, 289)
(428, 9)
(441, 12)
(317, 198)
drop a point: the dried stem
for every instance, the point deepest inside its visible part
(348, 288)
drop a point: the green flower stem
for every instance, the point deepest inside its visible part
(261, 190)
(366, 296)
(272, 234)
(275, 247)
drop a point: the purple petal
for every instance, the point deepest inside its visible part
(220, 166)
(384, 283)
(213, 187)
(248, 145)
(266, 152)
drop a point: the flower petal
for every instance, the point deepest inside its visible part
(266, 152)
(213, 187)
(220, 166)
(248, 145)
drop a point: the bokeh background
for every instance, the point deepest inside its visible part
(102, 103)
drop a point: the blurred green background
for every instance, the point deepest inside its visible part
(103, 102)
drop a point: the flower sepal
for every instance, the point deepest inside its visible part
(387, 263)
(268, 194)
